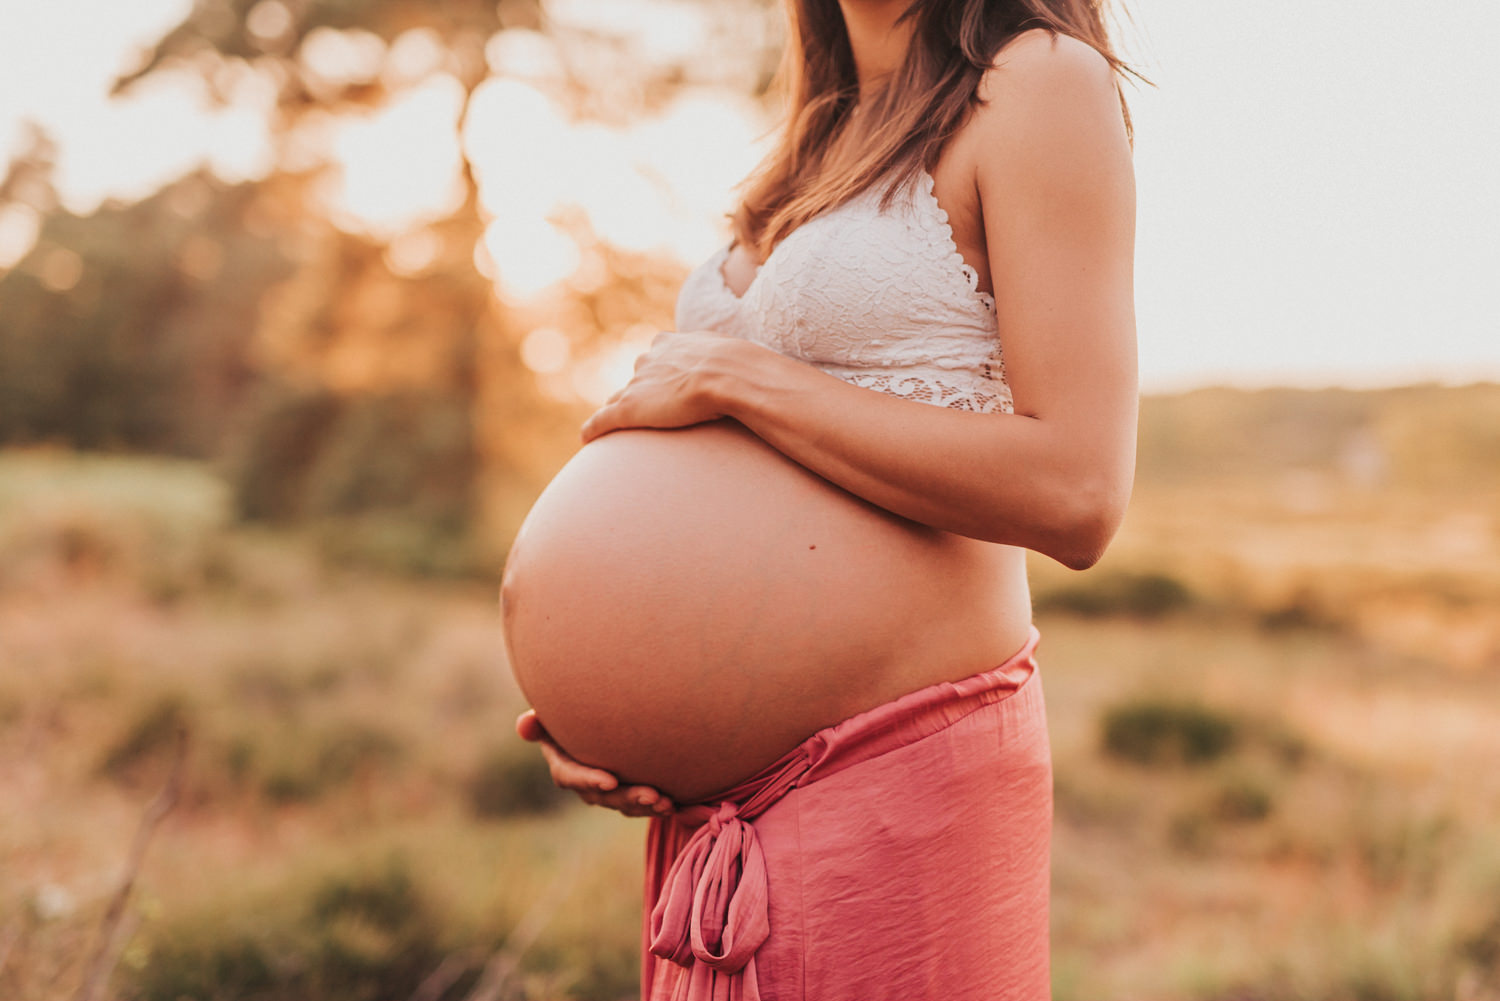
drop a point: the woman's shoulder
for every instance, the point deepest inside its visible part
(1037, 65)
(1047, 93)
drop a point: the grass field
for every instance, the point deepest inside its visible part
(1275, 712)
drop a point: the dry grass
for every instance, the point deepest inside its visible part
(350, 740)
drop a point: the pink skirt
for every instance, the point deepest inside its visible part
(899, 855)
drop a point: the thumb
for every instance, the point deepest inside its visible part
(528, 727)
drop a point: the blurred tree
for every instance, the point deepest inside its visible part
(123, 329)
(389, 380)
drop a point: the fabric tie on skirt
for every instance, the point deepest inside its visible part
(713, 913)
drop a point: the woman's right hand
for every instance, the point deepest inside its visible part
(593, 785)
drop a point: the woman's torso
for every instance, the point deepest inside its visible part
(684, 606)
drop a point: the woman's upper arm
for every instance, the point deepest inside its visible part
(1057, 192)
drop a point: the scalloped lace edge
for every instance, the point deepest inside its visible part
(928, 187)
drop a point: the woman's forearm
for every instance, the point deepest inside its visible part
(1002, 478)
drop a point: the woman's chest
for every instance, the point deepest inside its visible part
(956, 198)
(860, 284)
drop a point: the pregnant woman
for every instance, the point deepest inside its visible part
(778, 600)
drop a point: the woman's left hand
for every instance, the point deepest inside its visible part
(668, 389)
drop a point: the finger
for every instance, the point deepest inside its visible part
(528, 727)
(615, 800)
(661, 808)
(625, 803)
(600, 423)
(570, 774)
(642, 795)
(648, 801)
(632, 801)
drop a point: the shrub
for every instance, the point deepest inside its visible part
(1191, 833)
(364, 934)
(1288, 748)
(326, 760)
(1404, 849)
(1479, 949)
(1242, 800)
(286, 763)
(401, 544)
(146, 740)
(310, 453)
(372, 931)
(1303, 610)
(593, 970)
(1151, 732)
(512, 778)
(1140, 596)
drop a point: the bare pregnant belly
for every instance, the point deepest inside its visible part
(682, 607)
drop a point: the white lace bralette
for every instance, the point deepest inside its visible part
(883, 300)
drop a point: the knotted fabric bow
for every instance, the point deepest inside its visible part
(713, 912)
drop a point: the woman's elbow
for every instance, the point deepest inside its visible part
(1088, 518)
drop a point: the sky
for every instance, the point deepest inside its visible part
(1318, 194)
(1318, 191)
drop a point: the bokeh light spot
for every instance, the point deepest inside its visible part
(19, 226)
(60, 269)
(546, 350)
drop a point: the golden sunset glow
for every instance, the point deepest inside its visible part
(1359, 298)
(305, 307)
(400, 166)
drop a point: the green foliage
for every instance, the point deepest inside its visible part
(154, 350)
(591, 970)
(1478, 947)
(365, 934)
(289, 765)
(391, 477)
(512, 778)
(140, 354)
(411, 451)
(284, 761)
(274, 453)
(1136, 595)
(375, 928)
(401, 544)
(1153, 732)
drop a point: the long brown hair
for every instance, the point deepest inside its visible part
(921, 107)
